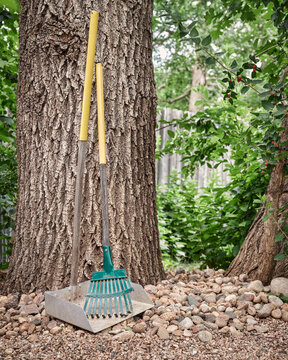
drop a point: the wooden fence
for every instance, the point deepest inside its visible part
(168, 163)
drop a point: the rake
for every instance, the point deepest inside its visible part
(109, 290)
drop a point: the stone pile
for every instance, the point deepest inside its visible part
(187, 304)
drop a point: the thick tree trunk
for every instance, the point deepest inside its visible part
(53, 43)
(256, 256)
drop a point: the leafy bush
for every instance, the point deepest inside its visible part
(8, 164)
(207, 227)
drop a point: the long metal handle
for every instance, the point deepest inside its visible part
(102, 155)
(82, 146)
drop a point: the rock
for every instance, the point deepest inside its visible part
(224, 330)
(284, 315)
(204, 308)
(30, 309)
(220, 322)
(265, 311)
(255, 286)
(123, 336)
(192, 300)
(9, 351)
(180, 270)
(187, 333)
(279, 286)
(10, 333)
(230, 314)
(12, 301)
(56, 330)
(151, 289)
(210, 318)
(177, 333)
(275, 300)
(197, 319)
(38, 299)
(219, 280)
(205, 336)
(234, 332)
(247, 296)
(264, 298)
(261, 329)
(243, 277)
(232, 299)
(210, 298)
(139, 328)
(229, 289)
(251, 321)
(162, 333)
(238, 324)
(285, 307)
(172, 328)
(276, 314)
(32, 338)
(169, 315)
(51, 324)
(210, 325)
(186, 323)
(251, 310)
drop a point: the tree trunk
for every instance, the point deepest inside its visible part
(256, 256)
(53, 43)
(198, 78)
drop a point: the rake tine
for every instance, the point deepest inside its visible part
(110, 298)
(115, 298)
(96, 299)
(128, 286)
(105, 300)
(124, 295)
(100, 300)
(120, 300)
(88, 298)
(91, 299)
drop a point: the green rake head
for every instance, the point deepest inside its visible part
(109, 291)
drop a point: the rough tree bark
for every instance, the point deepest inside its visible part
(256, 256)
(53, 43)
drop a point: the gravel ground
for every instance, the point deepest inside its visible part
(45, 338)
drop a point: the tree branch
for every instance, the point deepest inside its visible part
(178, 97)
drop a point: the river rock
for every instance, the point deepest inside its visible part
(279, 286)
(276, 314)
(265, 311)
(162, 333)
(275, 300)
(256, 286)
(185, 323)
(205, 336)
(123, 336)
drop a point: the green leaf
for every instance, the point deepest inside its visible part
(210, 61)
(234, 64)
(171, 133)
(280, 257)
(194, 33)
(279, 237)
(265, 218)
(267, 105)
(207, 41)
(244, 89)
(196, 40)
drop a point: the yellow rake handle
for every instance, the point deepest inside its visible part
(100, 110)
(89, 75)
